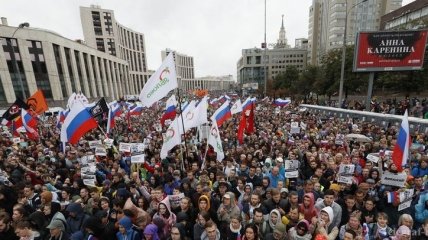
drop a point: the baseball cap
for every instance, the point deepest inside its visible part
(56, 224)
(280, 159)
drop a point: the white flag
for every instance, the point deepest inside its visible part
(171, 138)
(188, 117)
(215, 141)
(236, 107)
(201, 113)
(160, 83)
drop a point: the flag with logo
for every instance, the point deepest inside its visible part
(401, 148)
(171, 138)
(236, 107)
(14, 111)
(99, 108)
(201, 113)
(78, 122)
(37, 102)
(215, 141)
(188, 114)
(160, 83)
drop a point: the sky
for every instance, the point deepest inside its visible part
(214, 32)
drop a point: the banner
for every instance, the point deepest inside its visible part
(137, 158)
(394, 179)
(125, 147)
(37, 102)
(175, 200)
(390, 51)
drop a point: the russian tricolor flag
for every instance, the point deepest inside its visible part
(222, 114)
(170, 111)
(114, 111)
(61, 117)
(247, 104)
(78, 122)
(137, 110)
(401, 148)
(281, 102)
(30, 124)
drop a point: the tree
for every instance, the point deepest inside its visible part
(307, 80)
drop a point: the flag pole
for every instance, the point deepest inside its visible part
(184, 131)
(206, 152)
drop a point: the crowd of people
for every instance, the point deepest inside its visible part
(250, 194)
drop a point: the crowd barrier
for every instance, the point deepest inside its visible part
(385, 120)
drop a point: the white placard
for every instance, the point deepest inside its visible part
(100, 151)
(89, 182)
(108, 142)
(294, 128)
(394, 179)
(87, 159)
(406, 194)
(137, 158)
(346, 169)
(340, 138)
(404, 205)
(140, 147)
(373, 157)
(344, 179)
(88, 170)
(16, 140)
(94, 144)
(175, 200)
(303, 125)
(88, 176)
(291, 165)
(125, 147)
(292, 174)
(203, 132)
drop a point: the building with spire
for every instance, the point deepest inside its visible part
(251, 66)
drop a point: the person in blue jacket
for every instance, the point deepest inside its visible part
(421, 208)
(422, 169)
(125, 230)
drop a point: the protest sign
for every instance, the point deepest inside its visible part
(406, 194)
(405, 205)
(394, 179)
(88, 170)
(125, 147)
(294, 127)
(346, 169)
(100, 151)
(292, 174)
(373, 157)
(137, 158)
(94, 144)
(87, 159)
(16, 140)
(89, 182)
(303, 125)
(175, 200)
(340, 138)
(291, 168)
(344, 179)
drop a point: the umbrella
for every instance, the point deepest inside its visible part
(357, 137)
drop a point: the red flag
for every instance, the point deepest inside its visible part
(241, 129)
(250, 127)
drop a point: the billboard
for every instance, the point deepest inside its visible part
(390, 51)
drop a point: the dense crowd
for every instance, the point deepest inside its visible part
(278, 184)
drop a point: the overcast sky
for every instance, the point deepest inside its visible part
(212, 31)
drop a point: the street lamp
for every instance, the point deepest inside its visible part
(264, 57)
(15, 63)
(342, 69)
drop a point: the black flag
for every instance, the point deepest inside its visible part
(15, 110)
(99, 108)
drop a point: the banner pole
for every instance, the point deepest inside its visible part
(184, 131)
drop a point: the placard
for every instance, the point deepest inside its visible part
(100, 151)
(137, 158)
(345, 179)
(89, 182)
(373, 158)
(108, 142)
(294, 127)
(125, 147)
(88, 176)
(292, 174)
(346, 169)
(94, 144)
(404, 205)
(175, 200)
(88, 170)
(303, 125)
(406, 194)
(88, 159)
(394, 179)
(16, 140)
(340, 138)
(291, 165)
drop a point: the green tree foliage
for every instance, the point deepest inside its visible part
(307, 79)
(286, 79)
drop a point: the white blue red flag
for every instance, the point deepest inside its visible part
(170, 111)
(78, 122)
(401, 148)
(281, 102)
(115, 111)
(222, 114)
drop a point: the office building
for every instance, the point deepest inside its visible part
(210, 83)
(183, 66)
(102, 31)
(327, 22)
(251, 67)
(411, 16)
(58, 66)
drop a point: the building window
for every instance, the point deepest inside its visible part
(86, 65)
(100, 44)
(111, 47)
(39, 67)
(70, 69)
(79, 69)
(59, 65)
(102, 74)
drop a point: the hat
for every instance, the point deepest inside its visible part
(107, 182)
(371, 181)
(284, 190)
(335, 187)
(56, 224)
(279, 159)
(280, 228)
(226, 195)
(403, 230)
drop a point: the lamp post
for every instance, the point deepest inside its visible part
(342, 69)
(15, 63)
(264, 57)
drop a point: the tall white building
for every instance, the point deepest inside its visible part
(101, 31)
(56, 65)
(327, 22)
(184, 66)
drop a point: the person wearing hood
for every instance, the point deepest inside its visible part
(274, 218)
(308, 207)
(38, 223)
(57, 230)
(151, 232)
(227, 209)
(76, 218)
(403, 233)
(52, 212)
(125, 230)
(324, 226)
(164, 212)
(329, 202)
(300, 232)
